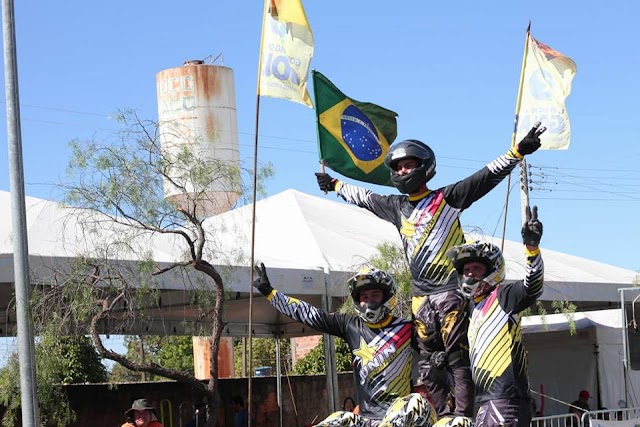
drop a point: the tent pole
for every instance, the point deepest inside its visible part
(625, 362)
(279, 374)
(329, 354)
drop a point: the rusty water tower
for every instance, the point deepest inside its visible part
(197, 106)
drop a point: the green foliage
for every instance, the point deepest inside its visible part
(10, 391)
(59, 360)
(566, 308)
(263, 351)
(314, 361)
(172, 352)
(390, 258)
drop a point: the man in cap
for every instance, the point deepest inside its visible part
(580, 406)
(142, 414)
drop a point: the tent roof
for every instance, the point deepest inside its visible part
(309, 244)
(611, 318)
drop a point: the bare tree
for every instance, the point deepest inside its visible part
(124, 222)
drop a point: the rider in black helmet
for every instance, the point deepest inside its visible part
(421, 174)
(429, 224)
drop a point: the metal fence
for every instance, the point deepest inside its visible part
(564, 420)
(611, 415)
(571, 420)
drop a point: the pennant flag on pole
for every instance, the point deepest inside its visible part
(286, 51)
(547, 84)
(353, 137)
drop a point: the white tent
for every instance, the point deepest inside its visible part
(561, 364)
(309, 244)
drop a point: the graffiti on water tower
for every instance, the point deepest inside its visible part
(177, 93)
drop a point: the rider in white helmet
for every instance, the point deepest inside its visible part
(380, 344)
(498, 359)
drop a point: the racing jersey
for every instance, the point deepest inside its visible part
(498, 359)
(429, 223)
(382, 352)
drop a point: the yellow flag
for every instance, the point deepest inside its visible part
(286, 52)
(548, 75)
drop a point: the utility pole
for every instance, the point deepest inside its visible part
(26, 354)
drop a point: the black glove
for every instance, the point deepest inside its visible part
(261, 282)
(532, 228)
(439, 359)
(531, 142)
(325, 182)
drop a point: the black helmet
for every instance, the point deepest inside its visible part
(411, 149)
(373, 278)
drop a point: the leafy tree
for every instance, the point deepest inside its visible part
(313, 362)
(117, 184)
(390, 258)
(59, 360)
(173, 352)
(263, 351)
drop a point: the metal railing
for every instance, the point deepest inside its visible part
(564, 420)
(622, 414)
(572, 420)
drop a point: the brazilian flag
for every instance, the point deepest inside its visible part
(353, 137)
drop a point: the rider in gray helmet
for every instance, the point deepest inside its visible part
(498, 358)
(380, 344)
(429, 224)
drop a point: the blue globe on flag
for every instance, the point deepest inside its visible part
(360, 135)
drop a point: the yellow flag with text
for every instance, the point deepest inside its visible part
(548, 75)
(286, 52)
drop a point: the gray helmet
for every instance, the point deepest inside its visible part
(411, 149)
(373, 278)
(488, 254)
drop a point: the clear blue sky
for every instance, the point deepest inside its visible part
(449, 69)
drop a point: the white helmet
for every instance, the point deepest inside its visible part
(486, 253)
(373, 279)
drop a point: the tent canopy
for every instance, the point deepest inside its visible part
(561, 364)
(309, 244)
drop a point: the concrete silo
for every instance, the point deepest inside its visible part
(197, 107)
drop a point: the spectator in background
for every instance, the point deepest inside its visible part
(348, 405)
(579, 407)
(582, 402)
(142, 414)
(240, 414)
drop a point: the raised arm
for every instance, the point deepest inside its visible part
(531, 235)
(464, 193)
(303, 312)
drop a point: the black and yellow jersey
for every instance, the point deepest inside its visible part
(429, 223)
(498, 359)
(382, 352)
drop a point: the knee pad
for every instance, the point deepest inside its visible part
(454, 422)
(342, 419)
(410, 410)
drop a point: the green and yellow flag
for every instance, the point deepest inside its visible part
(353, 137)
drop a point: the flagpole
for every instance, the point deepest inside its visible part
(253, 216)
(513, 137)
(315, 99)
(315, 102)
